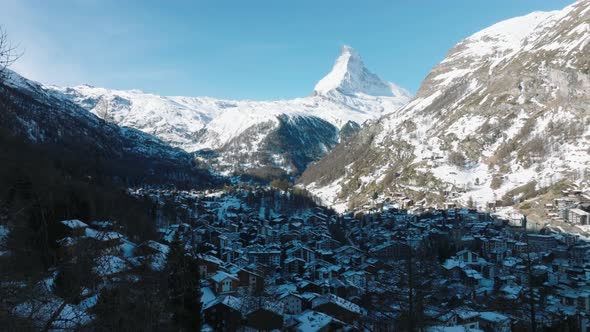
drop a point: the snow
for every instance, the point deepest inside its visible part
(502, 39)
(450, 76)
(328, 194)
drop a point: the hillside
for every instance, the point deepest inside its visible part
(507, 108)
(49, 122)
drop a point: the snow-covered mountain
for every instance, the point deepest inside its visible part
(239, 131)
(62, 130)
(350, 77)
(504, 115)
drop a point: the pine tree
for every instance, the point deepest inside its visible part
(184, 291)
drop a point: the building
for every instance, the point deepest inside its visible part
(494, 322)
(225, 282)
(223, 313)
(292, 303)
(579, 217)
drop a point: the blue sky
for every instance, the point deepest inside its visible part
(246, 49)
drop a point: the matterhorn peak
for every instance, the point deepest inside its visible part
(349, 76)
(351, 53)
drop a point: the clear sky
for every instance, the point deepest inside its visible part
(246, 49)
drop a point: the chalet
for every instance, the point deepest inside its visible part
(580, 253)
(309, 286)
(541, 242)
(152, 247)
(450, 205)
(224, 313)
(390, 250)
(337, 307)
(307, 254)
(467, 256)
(357, 278)
(66, 247)
(73, 228)
(578, 217)
(225, 282)
(294, 265)
(250, 280)
(264, 319)
(453, 269)
(104, 239)
(292, 303)
(311, 320)
(467, 318)
(208, 265)
(266, 257)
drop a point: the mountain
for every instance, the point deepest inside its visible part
(350, 77)
(46, 121)
(232, 135)
(504, 116)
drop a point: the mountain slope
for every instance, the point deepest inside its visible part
(48, 120)
(507, 107)
(348, 94)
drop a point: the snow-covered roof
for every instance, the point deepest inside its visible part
(220, 276)
(343, 303)
(103, 236)
(466, 313)
(67, 241)
(73, 223)
(109, 265)
(157, 246)
(310, 320)
(228, 300)
(207, 295)
(493, 316)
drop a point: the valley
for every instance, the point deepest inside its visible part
(360, 207)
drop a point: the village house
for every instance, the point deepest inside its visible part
(578, 217)
(292, 303)
(224, 282)
(223, 313)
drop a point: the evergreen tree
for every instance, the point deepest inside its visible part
(183, 286)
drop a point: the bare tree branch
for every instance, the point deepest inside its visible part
(9, 53)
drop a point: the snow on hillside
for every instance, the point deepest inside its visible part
(510, 100)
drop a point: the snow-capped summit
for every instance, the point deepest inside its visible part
(349, 76)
